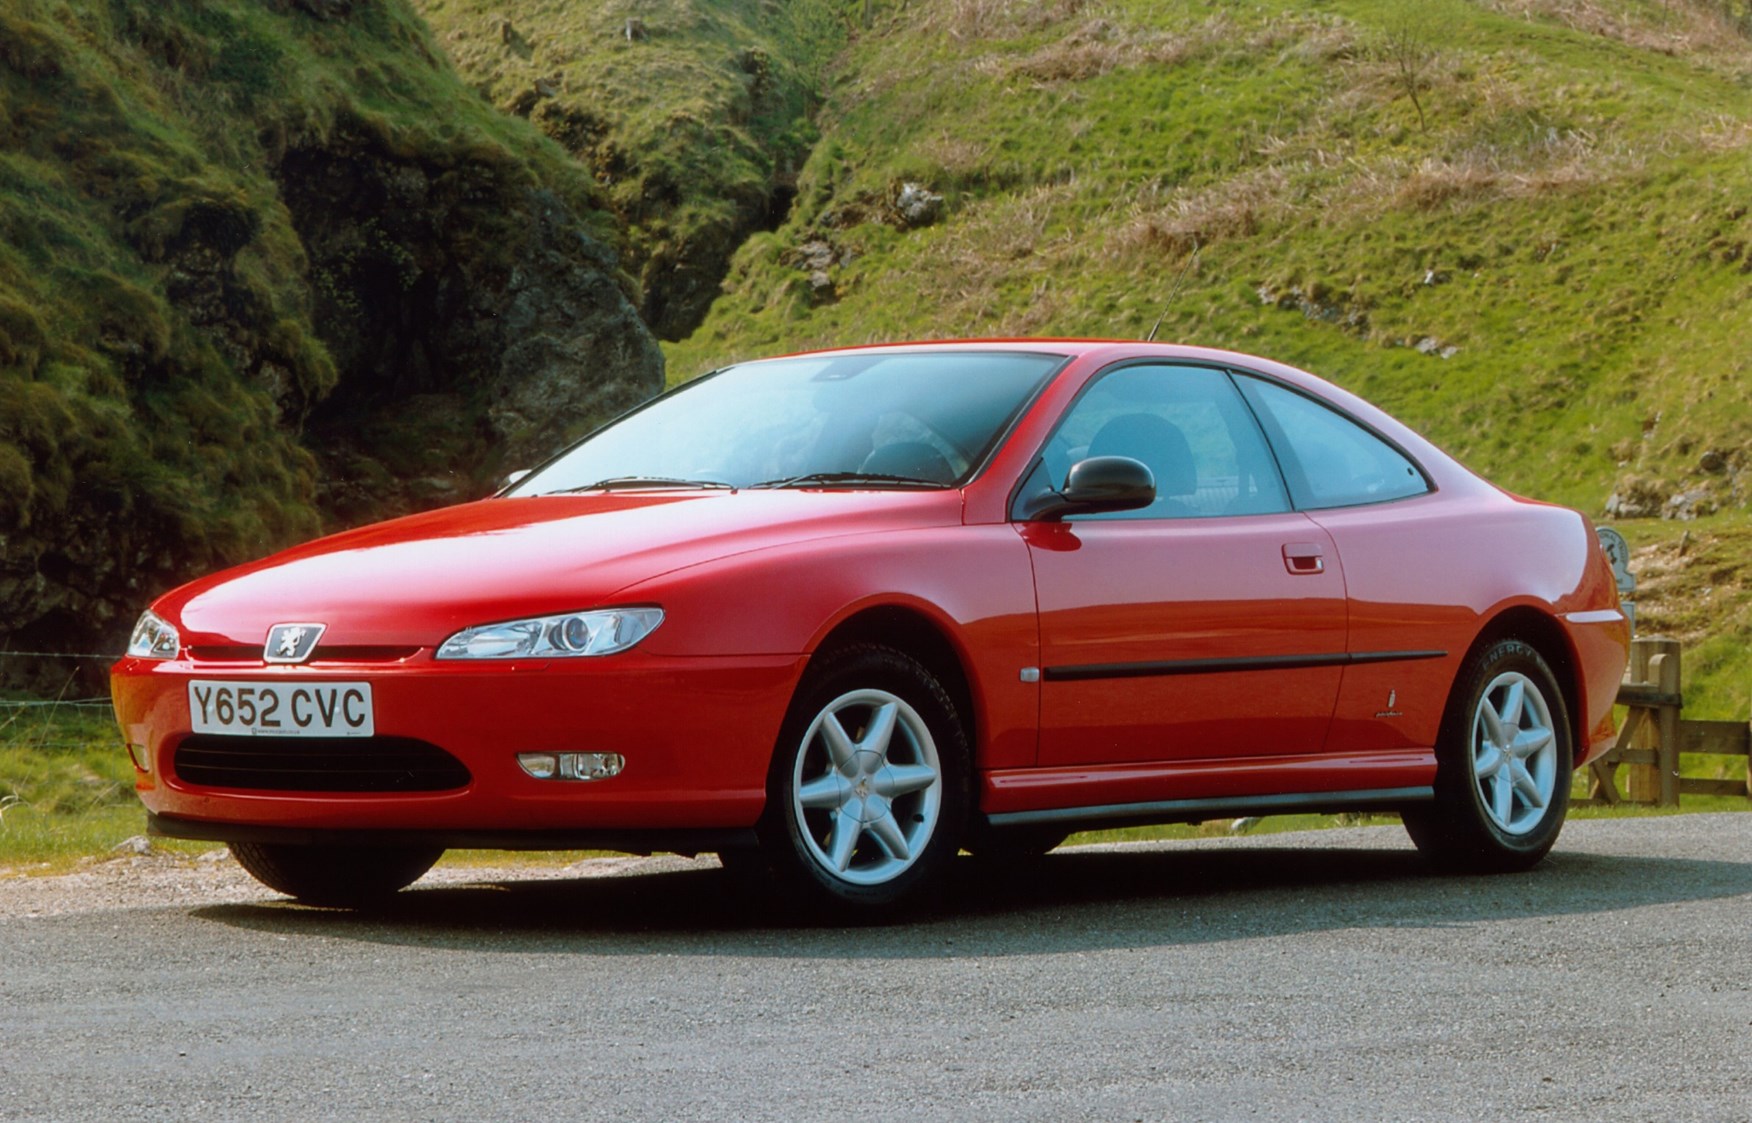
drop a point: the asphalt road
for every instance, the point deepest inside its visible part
(1322, 976)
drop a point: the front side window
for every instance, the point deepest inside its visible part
(1188, 426)
(1328, 459)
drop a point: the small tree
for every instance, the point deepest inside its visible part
(1410, 44)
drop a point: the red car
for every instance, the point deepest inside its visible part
(839, 616)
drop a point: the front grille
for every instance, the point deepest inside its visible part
(318, 764)
(333, 653)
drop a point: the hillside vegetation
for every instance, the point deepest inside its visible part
(693, 116)
(1524, 226)
(266, 267)
(271, 266)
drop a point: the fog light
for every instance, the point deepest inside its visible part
(572, 766)
(141, 756)
(539, 765)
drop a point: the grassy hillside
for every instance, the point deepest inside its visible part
(235, 238)
(1524, 226)
(1541, 258)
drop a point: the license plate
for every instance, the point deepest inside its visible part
(271, 709)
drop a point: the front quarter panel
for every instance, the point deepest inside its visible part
(972, 583)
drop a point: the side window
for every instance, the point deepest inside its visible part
(1328, 459)
(1190, 426)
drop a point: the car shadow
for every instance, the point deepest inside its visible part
(1074, 900)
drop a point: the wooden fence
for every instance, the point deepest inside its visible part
(1654, 734)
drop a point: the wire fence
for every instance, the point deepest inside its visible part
(31, 722)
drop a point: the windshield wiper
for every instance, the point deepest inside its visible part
(628, 483)
(849, 478)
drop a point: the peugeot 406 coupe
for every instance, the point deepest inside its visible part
(840, 616)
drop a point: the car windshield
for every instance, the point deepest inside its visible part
(862, 419)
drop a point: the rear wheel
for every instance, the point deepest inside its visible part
(869, 784)
(1502, 766)
(337, 876)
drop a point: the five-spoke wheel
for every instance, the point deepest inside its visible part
(1514, 753)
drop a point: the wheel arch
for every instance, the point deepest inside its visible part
(914, 633)
(1541, 631)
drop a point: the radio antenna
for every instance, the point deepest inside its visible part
(1174, 292)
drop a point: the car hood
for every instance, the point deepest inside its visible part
(418, 579)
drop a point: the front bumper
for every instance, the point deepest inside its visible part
(697, 735)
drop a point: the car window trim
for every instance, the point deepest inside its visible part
(1269, 426)
(1015, 505)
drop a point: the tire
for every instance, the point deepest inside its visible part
(1502, 766)
(869, 786)
(335, 876)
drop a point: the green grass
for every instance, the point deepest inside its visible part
(1575, 206)
(66, 788)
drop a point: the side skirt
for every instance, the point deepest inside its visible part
(1222, 807)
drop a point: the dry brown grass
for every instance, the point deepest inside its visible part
(965, 20)
(968, 273)
(1688, 584)
(1096, 48)
(1238, 207)
(1565, 164)
(1677, 27)
(1103, 44)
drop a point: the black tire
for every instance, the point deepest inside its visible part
(1498, 812)
(335, 876)
(875, 837)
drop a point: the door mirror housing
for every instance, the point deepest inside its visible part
(1097, 483)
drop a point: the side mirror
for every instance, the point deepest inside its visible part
(1098, 483)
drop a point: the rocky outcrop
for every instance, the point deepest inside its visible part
(456, 283)
(254, 309)
(575, 353)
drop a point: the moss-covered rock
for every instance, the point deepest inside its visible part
(692, 116)
(236, 240)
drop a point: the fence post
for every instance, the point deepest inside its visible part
(1664, 673)
(1642, 784)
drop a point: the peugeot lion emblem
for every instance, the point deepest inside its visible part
(291, 643)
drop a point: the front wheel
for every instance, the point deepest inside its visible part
(869, 784)
(336, 876)
(1502, 766)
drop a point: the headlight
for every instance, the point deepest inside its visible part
(153, 638)
(602, 632)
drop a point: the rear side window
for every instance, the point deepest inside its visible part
(1328, 459)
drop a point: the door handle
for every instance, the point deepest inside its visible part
(1304, 558)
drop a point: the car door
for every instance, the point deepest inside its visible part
(1209, 625)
